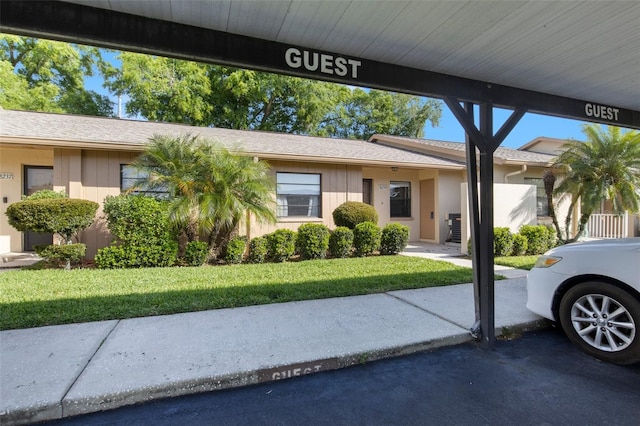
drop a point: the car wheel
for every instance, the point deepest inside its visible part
(603, 321)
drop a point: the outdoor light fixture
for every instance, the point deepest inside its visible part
(394, 169)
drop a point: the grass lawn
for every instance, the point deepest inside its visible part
(48, 297)
(520, 262)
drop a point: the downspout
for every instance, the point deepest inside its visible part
(519, 172)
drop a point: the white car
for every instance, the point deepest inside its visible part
(593, 290)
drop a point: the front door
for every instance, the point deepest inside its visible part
(427, 210)
(35, 179)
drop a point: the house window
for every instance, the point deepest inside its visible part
(298, 194)
(367, 186)
(400, 199)
(541, 196)
(131, 177)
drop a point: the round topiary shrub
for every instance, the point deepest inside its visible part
(502, 241)
(281, 245)
(196, 253)
(366, 238)
(63, 216)
(519, 245)
(394, 238)
(313, 241)
(341, 242)
(235, 250)
(351, 213)
(257, 250)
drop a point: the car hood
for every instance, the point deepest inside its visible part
(624, 244)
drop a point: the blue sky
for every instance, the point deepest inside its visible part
(530, 127)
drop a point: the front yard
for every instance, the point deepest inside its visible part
(49, 297)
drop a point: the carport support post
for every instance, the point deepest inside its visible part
(487, 299)
(472, 197)
(481, 207)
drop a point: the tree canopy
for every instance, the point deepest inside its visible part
(44, 75)
(199, 94)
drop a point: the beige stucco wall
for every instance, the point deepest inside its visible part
(513, 206)
(382, 177)
(12, 161)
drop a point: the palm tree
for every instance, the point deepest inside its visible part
(605, 167)
(209, 188)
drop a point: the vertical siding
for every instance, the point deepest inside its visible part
(339, 183)
(12, 161)
(100, 178)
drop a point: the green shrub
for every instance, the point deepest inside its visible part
(341, 242)
(552, 237)
(235, 249)
(366, 238)
(394, 238)
(519, 245)
(257, 250)
(196, 253)
(135, 256)
(351, 213)
(313, 241)
(281, 245)
(502, 242)
(63, 216)
(137, 220)
(537, 238)
(58, 255)
(45, 194)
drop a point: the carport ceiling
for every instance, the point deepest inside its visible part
(587, 50)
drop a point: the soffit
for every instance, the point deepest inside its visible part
(579, 49)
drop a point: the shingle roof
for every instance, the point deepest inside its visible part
(458, 149)
(63, 129)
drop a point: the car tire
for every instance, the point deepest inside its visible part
(586, 318)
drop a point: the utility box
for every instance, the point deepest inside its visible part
(455, 227)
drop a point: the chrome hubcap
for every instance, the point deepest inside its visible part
(603, 322)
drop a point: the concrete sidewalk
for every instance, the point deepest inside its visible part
(60, 371)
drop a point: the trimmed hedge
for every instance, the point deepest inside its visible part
(313, 241)
(394, 239)
(196, 253)
(538, 240)
(235, 250)
(366, 238)
(520, 245)
(58, 254)
(502, 242)
(141, 228)
(130, 256)
(257, 250)
(137, 220)
(341, 242)
(352, 213)
(281, 245)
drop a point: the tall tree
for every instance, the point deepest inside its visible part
(208, 95)
(362, 114)
(44, 75)
(605, 167)
(210, 189)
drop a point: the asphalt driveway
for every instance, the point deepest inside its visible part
(537, 379)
